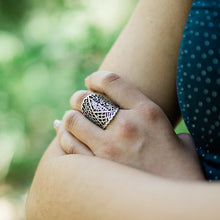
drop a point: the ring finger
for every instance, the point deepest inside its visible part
(99, 114)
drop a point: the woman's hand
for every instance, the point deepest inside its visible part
(140, 135)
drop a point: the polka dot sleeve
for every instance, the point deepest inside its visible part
(198, 82)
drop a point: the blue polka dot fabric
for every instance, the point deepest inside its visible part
(198, 82)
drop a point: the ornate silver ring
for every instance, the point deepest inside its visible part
(99, 110)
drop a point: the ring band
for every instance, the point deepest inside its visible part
(99, 110)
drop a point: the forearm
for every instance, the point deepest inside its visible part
(146, 51)
(79, 187)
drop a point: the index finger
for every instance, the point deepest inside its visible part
(117, 89)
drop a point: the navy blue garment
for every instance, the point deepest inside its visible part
(198, 82)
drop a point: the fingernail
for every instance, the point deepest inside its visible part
(56, 124)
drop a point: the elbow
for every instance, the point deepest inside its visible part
(36, 209)
(31, 207)
(37, 202)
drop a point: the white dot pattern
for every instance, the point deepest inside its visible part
(198, 82)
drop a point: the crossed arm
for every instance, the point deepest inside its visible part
(146, 51)
(82, 187)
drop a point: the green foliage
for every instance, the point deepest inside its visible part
(47, 48)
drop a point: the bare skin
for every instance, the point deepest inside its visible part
(146, 51)
(83, 187)
(75, 186)
(132, 138)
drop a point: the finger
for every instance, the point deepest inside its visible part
(118, 90)
(83, 129)
(77, 99)
(68, 142)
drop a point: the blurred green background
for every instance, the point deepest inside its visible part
(47, 48)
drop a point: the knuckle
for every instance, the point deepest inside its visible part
(67, 147)
(150, 111)
(77, 97)
(109, 149)
(110, 152)
(70, 120)
(126, 128)
(70, 149)
(109, 78)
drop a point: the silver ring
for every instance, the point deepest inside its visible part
(99, 110)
